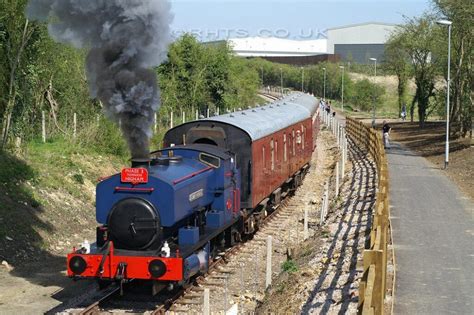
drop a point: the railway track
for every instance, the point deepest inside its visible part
(270, 97)
(96, 301)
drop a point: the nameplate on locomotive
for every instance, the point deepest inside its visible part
(134, 175)
(196, 195)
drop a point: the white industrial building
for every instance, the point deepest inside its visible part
(277, 47)
(357, 43)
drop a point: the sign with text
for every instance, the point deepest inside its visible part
(134, 175)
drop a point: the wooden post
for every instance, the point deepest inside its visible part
(306, 230)
(206, 309)
(171, 120)
(326, 204)
(208, 112)
(75, 126)
(344, 157)
(43, 126)
(218, 112)
(184, 117)
(268, 279)
(337, 179)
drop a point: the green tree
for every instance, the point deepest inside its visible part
(201, 77)
(418, 40)
(397, 62)
(461, 14)
(15, 32)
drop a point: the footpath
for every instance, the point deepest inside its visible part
(433, 236)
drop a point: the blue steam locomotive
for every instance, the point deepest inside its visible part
(164, 219)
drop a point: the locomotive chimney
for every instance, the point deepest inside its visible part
(141, 163)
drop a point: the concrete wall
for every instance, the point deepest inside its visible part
(360, 53)
(369, 33)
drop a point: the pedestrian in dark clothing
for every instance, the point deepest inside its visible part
(386, 134)
(404, 112)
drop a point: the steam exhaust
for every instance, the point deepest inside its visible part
(125, 40)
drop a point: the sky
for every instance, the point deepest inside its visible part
(298, 19)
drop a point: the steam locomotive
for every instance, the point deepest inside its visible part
(164, 219)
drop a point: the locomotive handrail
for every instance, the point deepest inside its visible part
(372, 289)
(182, 179)
(134, 189)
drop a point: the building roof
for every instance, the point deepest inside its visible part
(361, 24)
(271, 47)
(262, 121)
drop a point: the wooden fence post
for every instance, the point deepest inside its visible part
(268, 279)
(306, 229)
(206, 310)
(171, 120)
(43, 126)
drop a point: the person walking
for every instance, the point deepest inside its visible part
(386, 134)
(404, 112)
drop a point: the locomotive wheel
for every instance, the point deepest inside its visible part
(232, 237)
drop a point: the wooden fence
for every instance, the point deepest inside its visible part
(372, 287)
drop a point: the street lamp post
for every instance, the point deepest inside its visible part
(281, 81)
(302, 79)
(449, 24)
(342, 92)
(373, 100)
(324, 85)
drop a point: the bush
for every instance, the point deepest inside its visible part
(289, 266)
(365, 93)
(103, 137)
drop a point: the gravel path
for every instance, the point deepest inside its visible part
(335, 290)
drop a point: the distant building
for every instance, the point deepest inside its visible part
(277, 47)
(359, 42)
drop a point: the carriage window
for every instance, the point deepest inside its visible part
(276, 150)
(272, 148)
(210, 160)
(284, 148)
(302, 137)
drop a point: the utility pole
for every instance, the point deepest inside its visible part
(342, 88)
(449, 24)
(302, 79)
(281, 83)
(324, 85)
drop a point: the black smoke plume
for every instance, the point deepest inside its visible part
(125, 39)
